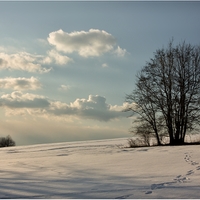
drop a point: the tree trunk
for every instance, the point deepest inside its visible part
(157, 137)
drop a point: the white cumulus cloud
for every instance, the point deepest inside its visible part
(120, 52)
(20, 83)
(18, 99)
(54, 56)
(22, 61)
(104, 65)
(92, 43)
(64, 87)
(120, 108)
(95, 107)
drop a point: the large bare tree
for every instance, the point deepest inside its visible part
(167, 93)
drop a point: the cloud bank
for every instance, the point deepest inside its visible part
(22, 61)
(92, 43)
(32, 63)
(20, 83)
(95, 107)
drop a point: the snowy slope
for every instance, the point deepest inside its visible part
(99, 169)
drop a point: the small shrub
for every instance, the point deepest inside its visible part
(7, 141)
(144, 133)
(133, 143)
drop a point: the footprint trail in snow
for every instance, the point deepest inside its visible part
(179, 178)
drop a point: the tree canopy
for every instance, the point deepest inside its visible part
(7, 141)
(167, 92)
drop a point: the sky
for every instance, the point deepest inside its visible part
(66, 67)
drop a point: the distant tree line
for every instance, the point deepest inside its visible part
(7, 141)
(166, 99)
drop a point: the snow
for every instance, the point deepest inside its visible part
(98, 170)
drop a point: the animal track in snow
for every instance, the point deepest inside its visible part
(190, 172)
(188, 157)
(159, 186)
(178, 178)
(198, 168)
(148, 192)
(124, 196)
(194, 163)
(181, 179)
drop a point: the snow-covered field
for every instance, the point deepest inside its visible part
(99, 169)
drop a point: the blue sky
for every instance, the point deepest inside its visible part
(67, 66)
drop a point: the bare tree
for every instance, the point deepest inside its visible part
(167, 92)
(141, 102)
(144, 131)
